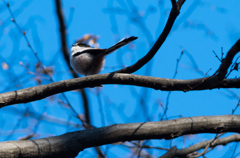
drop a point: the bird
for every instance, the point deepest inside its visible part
(87, 60)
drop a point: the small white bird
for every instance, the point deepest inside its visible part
(88, 61)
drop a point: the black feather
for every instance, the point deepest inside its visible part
(92, 51)
(103, 52)
(120, 44)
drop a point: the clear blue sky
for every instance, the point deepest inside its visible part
(207, 27)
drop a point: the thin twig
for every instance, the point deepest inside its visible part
(35, 53)
(169, 93)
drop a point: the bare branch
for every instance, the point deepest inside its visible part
(65, 52)
(227, 61)
(141, 62)
(170, 153)
(180, 3)
(202, 145)
(70, 144)
(43, 91)
(62, 30)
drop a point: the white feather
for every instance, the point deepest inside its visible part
(85, 63)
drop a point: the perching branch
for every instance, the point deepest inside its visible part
(43, 91)
(70, 144)
(164, 84)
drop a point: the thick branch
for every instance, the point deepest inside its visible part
(70, 144)
(43, 91)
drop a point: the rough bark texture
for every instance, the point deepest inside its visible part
(70, 144)
(43, 91)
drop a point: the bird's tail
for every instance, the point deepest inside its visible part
(121, 43)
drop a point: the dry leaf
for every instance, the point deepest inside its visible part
(5, 66)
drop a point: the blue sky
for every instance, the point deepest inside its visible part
(208, 26)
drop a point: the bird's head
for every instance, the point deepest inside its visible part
(80, 45)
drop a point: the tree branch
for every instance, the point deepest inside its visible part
(70, 144)
(65, 52)
(223, 141)
(141, 62)
(170, 153)
(43, 91)
(227, 61)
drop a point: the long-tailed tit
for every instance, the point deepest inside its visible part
(88, 61)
